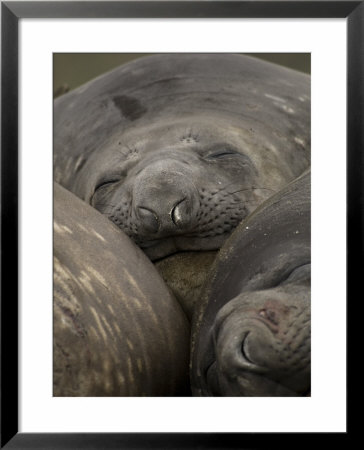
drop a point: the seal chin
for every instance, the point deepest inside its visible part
(248, 356)
(156, 250)
(247, 380)
(161, 248)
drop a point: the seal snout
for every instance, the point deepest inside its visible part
(261, 346)
(180, 212)
(148, 218)
(151, 221)
(164, 200)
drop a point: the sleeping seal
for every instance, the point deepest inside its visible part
(177, 149)
(251, 335)
(117, 329)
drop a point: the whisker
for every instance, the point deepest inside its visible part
(225, 187)
(251, 200)
(107, 209)
(251, 189)
(108, 205)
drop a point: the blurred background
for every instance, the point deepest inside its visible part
(73, 69)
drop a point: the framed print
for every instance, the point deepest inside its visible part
(37, 411)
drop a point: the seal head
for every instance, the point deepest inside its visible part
(260, 345)
(178, 149)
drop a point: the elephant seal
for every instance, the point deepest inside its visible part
(177, 149)
(251, 335)
(117, 329)
(185, 273)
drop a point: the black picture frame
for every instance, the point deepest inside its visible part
(11, 12)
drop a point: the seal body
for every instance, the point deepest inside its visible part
(177, 149)
(185, 274)
(251, 335)
(117, 329)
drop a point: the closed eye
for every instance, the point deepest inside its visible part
(228, 153)
(105, 183)
(101, 190)
(222, 154)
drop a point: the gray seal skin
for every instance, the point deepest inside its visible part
(177, 149)
(251, 334)
(117, 329)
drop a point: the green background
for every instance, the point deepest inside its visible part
(73, 69)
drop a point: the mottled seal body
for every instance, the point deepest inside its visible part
(251, 335)
(178, 149)
(117, 329)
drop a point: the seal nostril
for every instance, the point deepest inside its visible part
(270, 315)
(244, 349)
(148, 219)
(177, 214)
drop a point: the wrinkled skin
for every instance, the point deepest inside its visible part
(177, 149)
(186, 197)
(251, 333)
(261, 344)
